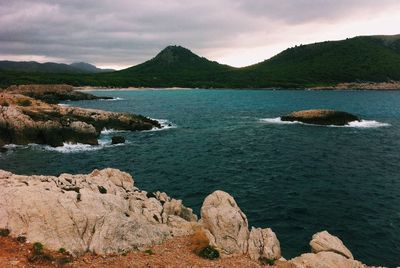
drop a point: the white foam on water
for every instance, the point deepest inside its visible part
(73, 148)
(113, 99)
(64, 105)
(165, 124)
(109, 131)
(354, 124)
(278, 120)
(367, 124)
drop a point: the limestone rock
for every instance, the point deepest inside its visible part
(321, 117)
(102, 212)
(325, 260)
(52, 93)
(324, 241)
(263, 245)
(226, 224)
(24, 120)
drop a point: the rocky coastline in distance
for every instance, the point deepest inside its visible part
(28, 115)
(104, 213)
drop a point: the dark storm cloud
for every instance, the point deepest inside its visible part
(122, 32)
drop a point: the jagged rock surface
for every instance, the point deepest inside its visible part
(264, 245)
(324, 241)
(24, 120)
(227, 229)
(226, 223)
(52, 93)
(325, 259)
(101, 212)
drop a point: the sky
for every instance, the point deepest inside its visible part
(121, 33)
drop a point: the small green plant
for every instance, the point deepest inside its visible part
(149, 251)
(37, 248)
(4, 232)
(267, 261)
(24, 102)
(62, 250)
(209, 252)
(39, 255)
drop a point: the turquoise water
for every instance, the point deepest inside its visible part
(297, 179)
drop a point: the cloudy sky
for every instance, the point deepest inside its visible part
(122, 33)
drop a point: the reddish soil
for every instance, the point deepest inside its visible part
(177, 252)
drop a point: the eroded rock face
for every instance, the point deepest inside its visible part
(324, 241)
(226, 227)
(326, 260)
(226, 223)
(328, 251)
(52, 93)
(263, 245)
(321, 117)
(102, 212)
(25, 120)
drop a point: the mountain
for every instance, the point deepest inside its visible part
(175, 66)
(358, 59)
(89, 68)
(50, 67)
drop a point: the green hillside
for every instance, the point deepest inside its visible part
(50, 67)
(174, 66)
(359, 59)
(374, 59)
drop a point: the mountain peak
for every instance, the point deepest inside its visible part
(173, 54)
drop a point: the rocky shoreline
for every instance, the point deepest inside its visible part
(392, 85)
(25, 120)
(52, 94)
(105, 213)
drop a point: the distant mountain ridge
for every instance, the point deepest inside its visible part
(360, 59)
(50, 67)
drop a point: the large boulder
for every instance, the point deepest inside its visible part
(324, 241)
(328, 251)
(102, 212)
(324, 260)
(321, 117)
(263, 245)
(226, 223)
(227, 230)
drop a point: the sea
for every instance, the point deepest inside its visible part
(295, 178)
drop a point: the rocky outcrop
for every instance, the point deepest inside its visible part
(328, 251)
(226, 223)
(25, 120)
(321, 117)
(264, 245)
(227, 229)
(52, 93)
(325, 260)
(324, 241)
(102, 212)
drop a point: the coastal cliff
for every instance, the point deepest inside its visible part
(52, 93)
(25, 120)
(105, 213)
